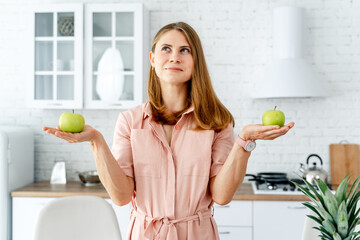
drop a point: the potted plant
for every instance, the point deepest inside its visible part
(336, 214)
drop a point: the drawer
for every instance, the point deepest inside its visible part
(235, 233)
(236, 213)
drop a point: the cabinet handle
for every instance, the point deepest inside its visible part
(54, 104)
(220, 206)
(224, 233)
(116, 104)
(296, 207)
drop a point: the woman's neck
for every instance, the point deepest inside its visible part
(174, 97)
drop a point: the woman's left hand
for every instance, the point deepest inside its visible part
(259, 131)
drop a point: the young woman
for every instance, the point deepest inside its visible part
(175, 155)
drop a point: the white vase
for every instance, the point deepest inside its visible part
(110, 79)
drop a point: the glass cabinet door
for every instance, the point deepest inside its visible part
(113, 56)
(57, 38)
(112, 74)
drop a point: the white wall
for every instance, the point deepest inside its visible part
(236, 35)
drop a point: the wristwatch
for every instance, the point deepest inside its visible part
(248, 145)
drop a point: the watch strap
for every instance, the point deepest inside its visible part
(243, 143)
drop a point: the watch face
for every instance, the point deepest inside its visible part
(251, 146)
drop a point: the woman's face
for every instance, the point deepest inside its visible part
(172, 58)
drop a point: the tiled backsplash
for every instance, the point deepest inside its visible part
(237, 40)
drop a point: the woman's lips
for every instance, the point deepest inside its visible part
(174, 69)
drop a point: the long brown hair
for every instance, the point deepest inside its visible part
(209, 112)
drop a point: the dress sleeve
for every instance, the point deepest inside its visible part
(121, 147)
(222, 145)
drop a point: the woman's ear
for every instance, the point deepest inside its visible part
(151, 56)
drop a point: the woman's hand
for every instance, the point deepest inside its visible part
(258, 131)
(88, 134)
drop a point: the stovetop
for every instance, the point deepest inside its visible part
(276, 189)
(281, 188)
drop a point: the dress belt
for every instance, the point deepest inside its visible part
(154, 226)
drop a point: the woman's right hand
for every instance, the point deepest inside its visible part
(88, 134)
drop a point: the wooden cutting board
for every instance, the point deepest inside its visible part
(344, 159)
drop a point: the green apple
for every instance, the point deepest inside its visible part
(71, 122)
(273, 117)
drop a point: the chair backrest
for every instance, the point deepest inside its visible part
(308, 232)
(78, 217)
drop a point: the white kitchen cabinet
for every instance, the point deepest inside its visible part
(239, 220)
(26, 211)
(234, 220)
(235, 233)
(116, 43)
(63, 76)
(56, 56)
(278, 220)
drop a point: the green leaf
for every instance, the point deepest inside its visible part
(325, 237)
(353, 189)
(353, 202)
(336, 236)
(322, 230)
(324, 214)
(342, 221)
(353, 225)
(311, 207)
(330, 202)
(311, 187)
(353, 217)
(351, 235)
(327, 224)
(307, 193)
(340, 194)
(322, 186)
(315, 219)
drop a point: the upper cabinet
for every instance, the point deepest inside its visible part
(56, 62)
(116, 48)
(97, 60)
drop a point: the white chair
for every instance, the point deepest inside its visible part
(308, 232)
(77, 218)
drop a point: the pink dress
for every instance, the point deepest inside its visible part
(172, 199)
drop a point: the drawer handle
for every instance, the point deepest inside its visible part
(115, 104)
(224, 233)
(54, 104)
(296, 207)
(220, 206)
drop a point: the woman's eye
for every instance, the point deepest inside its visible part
(165, 49)
(185, 50)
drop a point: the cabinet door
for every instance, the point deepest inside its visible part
(25, 213)
(116, 43)
(56, 61)
(236, 213)
(278, 220)
(235, 233)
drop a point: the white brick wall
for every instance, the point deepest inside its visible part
(236, 35)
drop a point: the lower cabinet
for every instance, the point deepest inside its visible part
(232, 233)
(234, 220)
(26, 211)
(279, 220)
(239, 220)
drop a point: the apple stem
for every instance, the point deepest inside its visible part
(275, 108)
